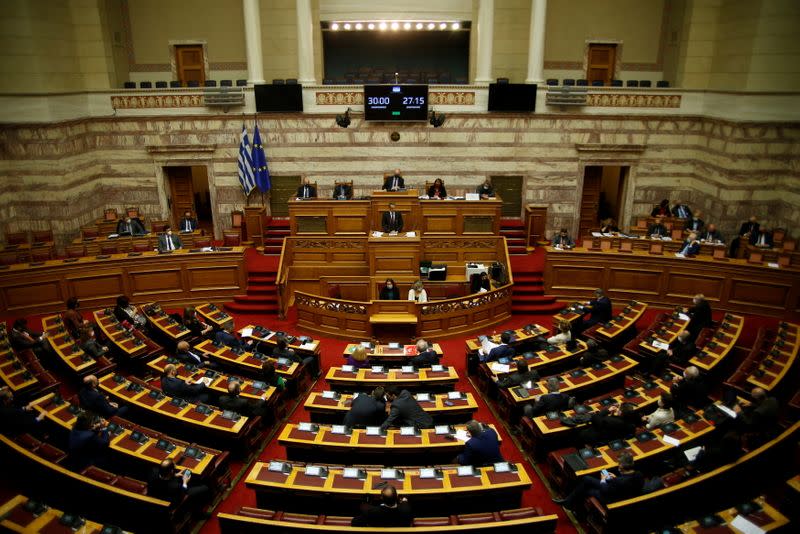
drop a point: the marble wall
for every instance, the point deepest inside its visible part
(65, 174)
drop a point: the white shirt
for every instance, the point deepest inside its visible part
(422, 296)
(559, 338)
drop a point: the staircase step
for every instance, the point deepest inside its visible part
(536, 308)
(512, 233)
(272, 251)
(238, 307)
(530, 299)
(254, 299)
(262, 278)
(527, 290)
(266, 290)
(273, 241)
(528, 278)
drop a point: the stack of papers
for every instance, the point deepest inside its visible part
(498, 367)
(487, 345)
(246, 332)
(462, 435)
(660, 345)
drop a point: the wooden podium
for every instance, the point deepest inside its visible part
(394, 255)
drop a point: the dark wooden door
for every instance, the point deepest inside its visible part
(181, 191)
(590, 200)
(509, 188)
(283, 189)
(601, 63)
(189, 63)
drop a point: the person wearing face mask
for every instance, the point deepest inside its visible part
(129, 226)
(167, 242)
(390, 291)
(89, 344)
(188, 223)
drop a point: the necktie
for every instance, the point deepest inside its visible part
(305, 191)
(394, 183)
(685, 249)
(129, 228)
(761, 240)
(392, 218)
(169, 243)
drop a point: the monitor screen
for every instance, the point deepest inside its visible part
(512, 97)
(279, 98)
(390, 102)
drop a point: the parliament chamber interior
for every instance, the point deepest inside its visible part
(360, 266)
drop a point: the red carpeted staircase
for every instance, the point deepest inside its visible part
(513, 229)
(262, 294)
(528, 293)
(276, 230)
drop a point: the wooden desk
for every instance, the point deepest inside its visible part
(166, 325)
(125, 243)
(731, 285)
(665, 329)
(387, 355)
(246, 362)
(365, 379)
(173, 279)
(520, 336)
(66, 348)
(782, 356)
(620, 325)
(310, 348)
(213, 315)
(14, 373)
(327, 410)
(131, 344)
(444, 495)
(716, 345)
(392, 448)
(535, 360)
(767, 519)
(17, 519)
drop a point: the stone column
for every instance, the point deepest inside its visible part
(483, 64)
(252, 38)
(305, 44)
(536, 42)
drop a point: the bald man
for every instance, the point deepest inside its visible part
(93, 400)
(690, 390)
(183, 389)
(394, 182)
(761, 416)
(392, 511)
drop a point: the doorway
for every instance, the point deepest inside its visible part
(190, 64)
(600, 63)
(602, 196)
(283, 189)
(189, 191)
(509, 189)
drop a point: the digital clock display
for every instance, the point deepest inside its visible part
(396, 102)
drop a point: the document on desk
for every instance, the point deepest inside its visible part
(411, 234)
(307, 346)
(487, 345)
(683, 317)
(746, 526)
(377, 234)
(462, 435)
(206, 381)
(660, 345)
(246, 332)
(498, 367)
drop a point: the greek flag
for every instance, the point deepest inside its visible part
(245, 164)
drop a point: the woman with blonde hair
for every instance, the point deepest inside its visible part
(358, 358)
(417, 292)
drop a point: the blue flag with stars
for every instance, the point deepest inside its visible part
(260, 170)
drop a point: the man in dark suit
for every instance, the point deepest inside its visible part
(691, 246)
(21, 337)
(696, 223)
(760, 418)
(188, 223)
(92, 400)
(486, 189)
(681, 210)
(167, 242)
(405, 410)
(306, 190)
(609, 487)
(522, 375)
(183, 389)
(552, 401)
(235, 403)
(689, 390)
(711, 234)
(426, 356)
(88, 442)
(184, 355)
(366, 410)
(167, 484)
(227, 337)
(394, 182)
(16, 420)
(343, 191)
(682, 349)
(391, 512)
(482, 448)
(699, 315)
(657, 229)
(599, 309)
(129, 226)
(503, 350)
(392, 221)
(762, 238)
(563, 240)
(615, 422)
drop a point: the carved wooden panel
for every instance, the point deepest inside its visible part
(579, 276)
(759, 293)
(686, 285)
(213, 277)
(633, 281)
(105, 285)
(147, 282)
(46, 292)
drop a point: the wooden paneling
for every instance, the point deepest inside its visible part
(213, 277)
(43, 293)
(96, 285)
(155, 281)
(732, 285)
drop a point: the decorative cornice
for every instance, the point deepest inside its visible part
(607, 147)
(631, 100)
(182, 149)
(356, 98)
(157, 101)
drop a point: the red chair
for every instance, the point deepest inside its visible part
(142, 247)
(90, 232)
(43, 236)
(42, 254)
(8, 258)
(76, 251)
(158, 226)
(133, 212)
(110, 214)
(202, 242)
(335, 291)
(16, 238)
(231, 239)
(108, 248)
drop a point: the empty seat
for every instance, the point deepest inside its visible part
(175, 83)
(518, 513)
(108, 248)
(502, 80)
(552, 81)
(291, 81)
(16, 238)
(471, 519)
(50, 453)
(202, 242)
(632, 83)
(306, 519)
(278, 81)
(597, 83)
(582, 82)
(42, 236)
(226, 83)
(8, 259)
(161, 85)
(41, 254)
(210, 83)
(231, 239)
(193, 83)
(616, 83)
(132, 485)
(142, 247)
(337, 520)
(432, 522)
(645, 83)
(101, 475)
(145, 85)
(241, 83)
(129, 85)
(28, 441)
(76, 251)
(256, 512)
(568, 81)
(662, 83)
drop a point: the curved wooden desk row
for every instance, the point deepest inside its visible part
(131, 344)
(325, 409)
(255, 520)
(336, 484)
(696, 496)
(144, 450)
(65, 347)
(174, 279)
(20, 516)
(519, 337)
(22, 373)
(246, 362)
(390, 355)
(665, 329)
(310, 348)
(620, 325)
(766, 517)
(536, 360)
(783, 355)
(84, 495)
(149, 241)
(165, 324)
(361, 379)
(731, 285)
(578, 380)
(714, 345)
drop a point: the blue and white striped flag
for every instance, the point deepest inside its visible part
(246, 177)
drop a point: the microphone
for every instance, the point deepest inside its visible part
(396, 77)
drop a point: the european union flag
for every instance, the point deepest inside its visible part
(260, 169)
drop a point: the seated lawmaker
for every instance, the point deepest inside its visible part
(563, 240)
(699, 315)
(167, 242)
(21, 337)
(691, 246)
(93, 400)
(88, 442)
(682, 348)
(188, 223)
(73, 320)
(306, 190)
(681, 210)
(394, 182)
(417, 292)
(608, 226)
(169, 484)
(711, 235)
(194, 324)
(609, 487)
(405, 410)
(389, 291)
(129, 226)
(657, 229)
(664, 413)
(661, 210)
(124, 311)
(503, 350)
(696, 223)
(522, 375)
(482, 448)
(17, 420)
(564, 334)
(228, 337)
(486, 189)
(747, 231)
(343, 192)
(760, 418)
(437, 190)
(552, 401)
(184, 355)
(689, 390)
(762, 238)
(366, 410)
(599, 309)
(614, 422)
(392, 220)
(282, 350)
(391, 512)
(183, 389)
(89, 344)
(426, 356)
(234, 402)
(358, 358)
(270, 377)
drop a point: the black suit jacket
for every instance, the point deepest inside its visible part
(442, 192)
(312, 191)
(425, 359)
(343, 190)
(170, 489)
(136, 227)
(229, 340)
(516, 378)
(682, 351)
(187, 358)
(175, 387)
(14, 420)
(711, 236)
(675, 211)
(191, 222)
(551, 402)
(690, 393)
(381, 516)
(695, 225)
(749, 228)
(87, 447)
(700, 315)
(387, 184)
(365, 411)
(406, 411)
(657, 229)
(600, 310)
(389, 294)
(755, 237)
(237, 404)
(623, 486)
(96, 402)
(386, 222)
(605, 427)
